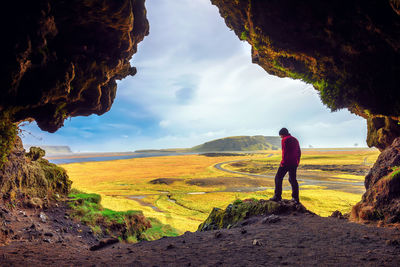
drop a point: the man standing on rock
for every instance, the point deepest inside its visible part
(290, 161)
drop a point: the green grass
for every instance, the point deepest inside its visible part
(159, 230)
(8, 133)
(132, 225)
(396, 173)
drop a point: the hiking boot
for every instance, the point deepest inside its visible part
(275, 198)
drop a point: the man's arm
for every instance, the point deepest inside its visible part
(284, 152)
(298, 151)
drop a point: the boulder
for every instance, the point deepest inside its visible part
(381, 201)
(235, 213)
(35, 153)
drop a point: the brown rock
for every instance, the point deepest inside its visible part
(337, 214)
(218, 234)
(381, 201)
(104, 243)
(35, 203)
(257, 242)
(67, 61)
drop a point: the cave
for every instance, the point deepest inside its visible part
(62, 59)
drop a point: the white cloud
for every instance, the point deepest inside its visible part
(164, 123)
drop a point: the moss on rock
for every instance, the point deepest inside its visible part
(8, 132)
(240, 210)
(35, 153)
(23, 178)
(381, 201)
(131, 226)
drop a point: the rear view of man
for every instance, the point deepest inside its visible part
(290, 161)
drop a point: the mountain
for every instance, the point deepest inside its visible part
(240, 143)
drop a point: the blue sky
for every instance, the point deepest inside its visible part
(195, 83)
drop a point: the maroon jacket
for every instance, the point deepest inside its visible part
(290, 151)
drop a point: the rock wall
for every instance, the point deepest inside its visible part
(28, 179)
(62, 58)
(381, 201)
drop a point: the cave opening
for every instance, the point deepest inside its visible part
(195, 82)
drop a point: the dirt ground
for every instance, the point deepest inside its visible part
(295, 239)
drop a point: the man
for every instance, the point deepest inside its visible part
(290, 161)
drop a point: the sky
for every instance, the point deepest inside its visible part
(196, 83)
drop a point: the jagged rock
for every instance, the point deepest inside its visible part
(22, 178)
(62, 58)
(35, 153)
(257, 242)
(43, 217)
(337, 214)
(381, 201)
(235, 213)
(35, 203)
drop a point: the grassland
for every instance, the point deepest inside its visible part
(182, 190)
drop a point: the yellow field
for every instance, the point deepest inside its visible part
(182, 190)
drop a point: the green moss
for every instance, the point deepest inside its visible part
(159, 230)
(8, 133)
(130, 226)
(236, 212)
(244, 35)
(237, 202)
(61, 111)
(34, 178)
(91, 198)
(396, 173)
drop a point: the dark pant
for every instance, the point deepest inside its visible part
(292, 180)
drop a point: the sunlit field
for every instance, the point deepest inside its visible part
(182, 190)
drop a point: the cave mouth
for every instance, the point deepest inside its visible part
(208, 76)
(77, 76)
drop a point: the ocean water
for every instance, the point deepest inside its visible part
(75, 158)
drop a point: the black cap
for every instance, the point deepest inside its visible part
(283, 131)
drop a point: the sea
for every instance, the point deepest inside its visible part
(80, 157)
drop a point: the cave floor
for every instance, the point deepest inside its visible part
(297, 239)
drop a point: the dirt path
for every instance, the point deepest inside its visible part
(295, 240)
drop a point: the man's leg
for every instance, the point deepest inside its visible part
(278, 183)
(293, 182)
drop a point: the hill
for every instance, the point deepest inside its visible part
(52, 149)
(240, 143)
